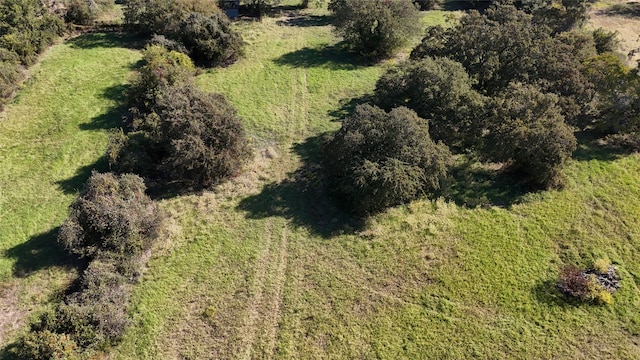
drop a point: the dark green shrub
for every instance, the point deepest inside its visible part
(191, 140)
(505, 45)
(438, 90)
(375, 28)
(378, 159)
(163, 16)
(27, 28)
(81, 12)
(606, 41)
(426, 4)
(111, 215)
(162, 68)
(10, 75)
(210, 39)
(618, 94)
(47, 345)
(169, 44)
(527, 130)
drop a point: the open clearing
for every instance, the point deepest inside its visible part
(264, 267)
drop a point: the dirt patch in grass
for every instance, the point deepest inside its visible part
(11, 315)
(627, 26)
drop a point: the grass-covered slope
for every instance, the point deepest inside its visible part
(51, 136)
(265, 267)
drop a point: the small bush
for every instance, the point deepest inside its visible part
(81, 12)
(169, 44)
(47, 345)
(378, 159)
(595, 285)
(112, 214)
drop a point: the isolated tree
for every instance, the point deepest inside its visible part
(210, 40)
(188, 140)
(379, 159)
(438, 90)
(112, 214)
(526, 130)
(375, 28)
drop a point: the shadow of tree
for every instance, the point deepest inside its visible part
(473, 184)
(40, 252)
(630, 9)
(74, 184)
(9, 352)
(334, 57)
(347, 106)
(115, 116)
(305, 20)
(302, 198)
(548, 293)
(589, 149)
(107, 40)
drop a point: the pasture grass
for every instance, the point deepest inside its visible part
(265, 266)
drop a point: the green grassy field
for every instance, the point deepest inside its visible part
(266, 267)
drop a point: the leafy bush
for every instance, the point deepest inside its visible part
(189, 140)
(80, 12)
(210, 39)
(169, 44)
(526, 128)
(27, 28)
(162, 68)
(111, 215)
(438, 90)
(378, 159)
(10, 74)
(163, 16)
(47, 345)
(375, 28)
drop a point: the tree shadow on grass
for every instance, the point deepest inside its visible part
(74, 184)
(107, 40)
(305, 20)
(547, 292)
(590, 149)
(334, 57)
(347, 106)
(630, 9)
(40, 252)
(114, 117)
(472, 184)
(302, 198)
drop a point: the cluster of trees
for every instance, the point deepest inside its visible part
(111, 224)
(508, 86)
(196, 27)
(178, 136)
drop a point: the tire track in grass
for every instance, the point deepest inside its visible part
(260, 329)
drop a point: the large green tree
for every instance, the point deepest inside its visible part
(375, 28)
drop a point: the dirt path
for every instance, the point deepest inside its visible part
(627, 26)
(11, 316)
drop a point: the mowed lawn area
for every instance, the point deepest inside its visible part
(264, 266)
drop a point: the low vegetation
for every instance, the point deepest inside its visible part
(112, 223)
(265, 266)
